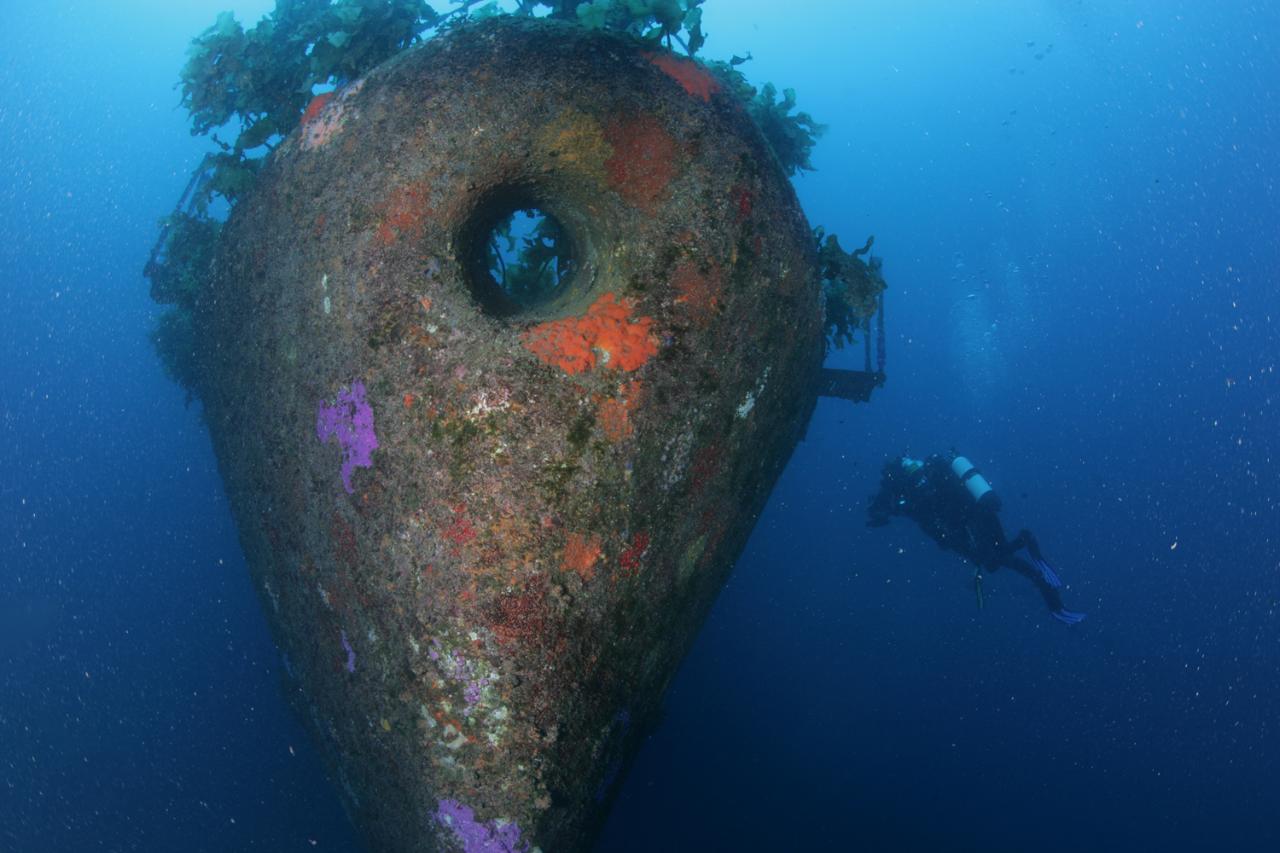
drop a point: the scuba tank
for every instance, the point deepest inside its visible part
(976, 484)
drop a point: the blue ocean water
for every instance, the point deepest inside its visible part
(1077, 206)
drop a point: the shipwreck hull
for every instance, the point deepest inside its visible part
(486, 533)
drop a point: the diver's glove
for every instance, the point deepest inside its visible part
(1068, 617)
(1047, 574)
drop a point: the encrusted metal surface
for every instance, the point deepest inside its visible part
(485, 537)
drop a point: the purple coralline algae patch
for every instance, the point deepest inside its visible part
(350, 418)
(351, 653)
(495, 837)
(456, 665)
(471, 686)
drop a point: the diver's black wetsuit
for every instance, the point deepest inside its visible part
(936, 499)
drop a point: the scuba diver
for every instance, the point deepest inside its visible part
(956, 506)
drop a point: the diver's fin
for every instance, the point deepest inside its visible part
(1068, 617)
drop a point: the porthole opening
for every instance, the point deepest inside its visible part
(519, 256)
(529, 256)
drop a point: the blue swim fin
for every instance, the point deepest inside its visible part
(1068, 617)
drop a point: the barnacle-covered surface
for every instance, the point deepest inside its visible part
(544, 500)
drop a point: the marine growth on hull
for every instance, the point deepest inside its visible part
(502, 348)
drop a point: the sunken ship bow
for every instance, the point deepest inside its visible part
(486, 526)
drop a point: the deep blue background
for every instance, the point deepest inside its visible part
(1082, 243)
